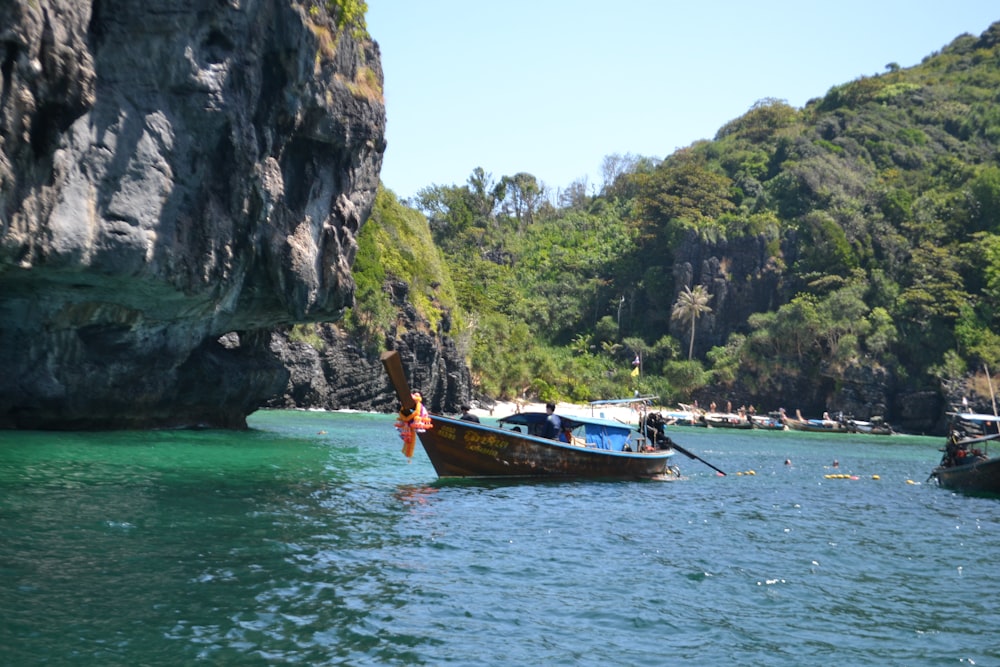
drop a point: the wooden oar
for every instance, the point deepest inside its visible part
(394, 367)
(695, 457)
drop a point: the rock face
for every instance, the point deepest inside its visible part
(177, 177)
(330, 369)
(742, 279)
(343, 375)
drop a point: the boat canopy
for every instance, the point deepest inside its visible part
(975, 417)
(625, 401)
(640, 403)
(600, 433)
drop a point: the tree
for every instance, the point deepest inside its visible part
(614, 166)
(691, 304)
(726, 360)
(687, 188)
(762, 121)
(524, 194)
(575, 195)
(580, 344)
(449, 212)
(983, 200)
(485, 193)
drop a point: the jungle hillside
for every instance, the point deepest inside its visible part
(840, 256)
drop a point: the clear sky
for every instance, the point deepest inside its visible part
(550, 87)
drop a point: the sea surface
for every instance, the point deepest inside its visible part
(311, 540)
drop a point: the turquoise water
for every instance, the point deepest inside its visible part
(310, 540)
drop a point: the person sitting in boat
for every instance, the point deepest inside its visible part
(951, 452)
(553, 424)
(957, 453)
(653, 425)
(467, 415)
(655, 431)
(660, 442)
(663, 442)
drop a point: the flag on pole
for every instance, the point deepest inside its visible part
(636, 362)
(635, 372)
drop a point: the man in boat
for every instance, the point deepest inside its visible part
(553, 424)
(958, 453)
(468, 416)
(655, 432)
(952, 452)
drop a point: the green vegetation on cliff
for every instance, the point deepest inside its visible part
(397, 261)
(859, 233)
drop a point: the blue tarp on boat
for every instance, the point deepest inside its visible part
(600, 433)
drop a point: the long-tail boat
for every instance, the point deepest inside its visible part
(726, 420)
(591, 448)
(769, 422)
(824, 425)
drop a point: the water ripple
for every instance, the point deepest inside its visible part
(310, 540)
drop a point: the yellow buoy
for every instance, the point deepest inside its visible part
(876, 477)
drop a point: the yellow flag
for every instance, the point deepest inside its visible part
(635, 372)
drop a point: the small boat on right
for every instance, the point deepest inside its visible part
(966, 465)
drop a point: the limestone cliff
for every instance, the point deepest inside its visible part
(340, 374)
(177, 177)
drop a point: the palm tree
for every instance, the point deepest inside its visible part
(691, 303)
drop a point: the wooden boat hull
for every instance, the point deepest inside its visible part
(726, 421)
(869, 428)
(797, 425)
(686, 416)
(768, 424)
(981, 476)
(694, 423)
(458, 448)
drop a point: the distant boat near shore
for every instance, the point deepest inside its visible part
(685, 416)
(824, 425)
(877, 426)
(769, 422)
(726, 420)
